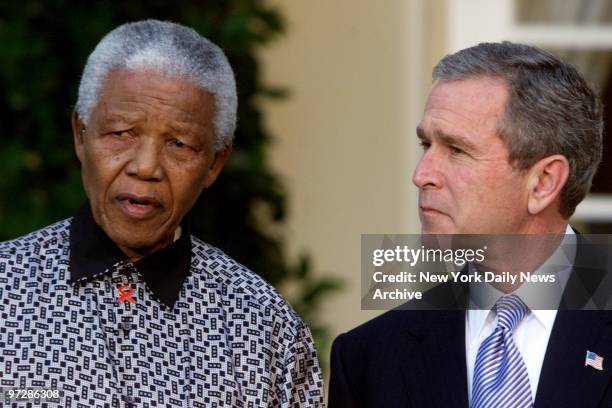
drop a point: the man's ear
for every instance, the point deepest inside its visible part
(546, 181)
(78, 129)
(216, 166)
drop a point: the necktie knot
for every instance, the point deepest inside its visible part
(510, 311)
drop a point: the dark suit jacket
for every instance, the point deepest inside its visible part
(416, 358)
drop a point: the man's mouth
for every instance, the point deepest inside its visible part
(429, 210)
(136, 206)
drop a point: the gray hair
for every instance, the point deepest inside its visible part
(174, 50)
(551, 109)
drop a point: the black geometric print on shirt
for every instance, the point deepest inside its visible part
(229, 341)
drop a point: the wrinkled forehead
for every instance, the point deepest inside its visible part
(128, 92)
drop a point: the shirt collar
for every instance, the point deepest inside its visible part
(482, 301)
(93, 253)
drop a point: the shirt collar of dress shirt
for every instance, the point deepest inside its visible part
(487, 298)
(93, 253)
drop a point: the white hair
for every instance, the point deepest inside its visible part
(172, 49)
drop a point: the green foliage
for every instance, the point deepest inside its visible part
(44, 46)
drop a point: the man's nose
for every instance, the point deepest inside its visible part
(427, 173)
(145, 162)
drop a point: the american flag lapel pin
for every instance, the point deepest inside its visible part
(593, 360)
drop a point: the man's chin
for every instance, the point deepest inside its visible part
(141, 244)
(436, 223)
(438, 230)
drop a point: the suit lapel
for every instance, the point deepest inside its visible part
(586, 288)
(565, 381)
(437, 374)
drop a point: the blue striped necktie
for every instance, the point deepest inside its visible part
(500, 375)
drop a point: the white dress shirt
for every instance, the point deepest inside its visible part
(531, 335)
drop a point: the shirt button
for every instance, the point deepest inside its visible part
(129, 401)
(127, 326)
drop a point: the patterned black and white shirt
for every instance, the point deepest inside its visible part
(184, 327)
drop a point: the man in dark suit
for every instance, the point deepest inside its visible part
(512, 138)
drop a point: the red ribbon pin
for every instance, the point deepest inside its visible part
(125, 293)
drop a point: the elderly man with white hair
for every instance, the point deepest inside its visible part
(120, 305)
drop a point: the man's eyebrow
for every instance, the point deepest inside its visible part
(447, 138)
(182, 128)
(114, 116)
(455, 140)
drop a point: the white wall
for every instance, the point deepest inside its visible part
(345, 145)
